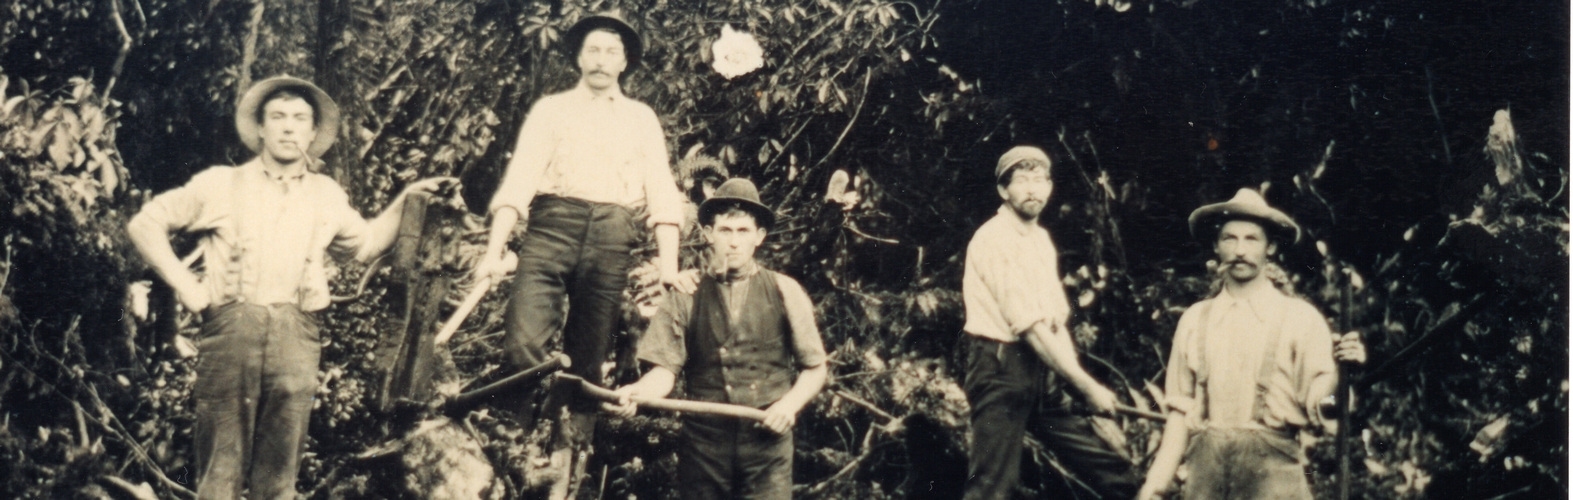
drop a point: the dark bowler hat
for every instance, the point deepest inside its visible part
(327, 113)
(633, 48)
(1247, 204)
(742, 193)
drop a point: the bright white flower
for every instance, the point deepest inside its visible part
(736, 53)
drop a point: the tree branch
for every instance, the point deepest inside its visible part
(125, 46)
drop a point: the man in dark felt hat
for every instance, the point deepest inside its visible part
(1014, 335)
(746, 337)
(266, 227)
(587, 161)
(1249, 368)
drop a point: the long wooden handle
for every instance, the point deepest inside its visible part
(465, 308)
(1138, 412)
(695, 407)
(477, 292)
(559, 362)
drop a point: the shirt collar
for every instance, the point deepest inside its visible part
(1022, 227)
(256, 166)
(1260, 298)
(727, 276)
(614, 96)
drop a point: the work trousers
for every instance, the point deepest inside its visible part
(1245, 464)
(724, 458)
(256, 375)
(578, 251)
(1006, 386)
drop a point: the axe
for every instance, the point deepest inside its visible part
(686, 406)
(510, 261)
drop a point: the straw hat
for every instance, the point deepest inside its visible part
(1246, 204)
(326, 111)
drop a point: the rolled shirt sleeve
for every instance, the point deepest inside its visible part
(1011, 281)
(1315, 357)
(807, 345)
(663, 344)
(187, 208)
(351, 230)
(664, 202)
(1179, 386)
(530, 156)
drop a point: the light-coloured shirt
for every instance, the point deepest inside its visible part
(1230, 359)
(663, 342)
(264, 239)
(1012, 279)
(607, 149)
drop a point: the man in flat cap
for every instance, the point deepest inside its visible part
(1249, 368)
(266, 227)
(1014, 334)
(746, 337)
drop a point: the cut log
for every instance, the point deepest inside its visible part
(422, 275)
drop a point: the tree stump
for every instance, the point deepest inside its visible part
(424, 268)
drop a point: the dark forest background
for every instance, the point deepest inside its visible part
(1422, 146)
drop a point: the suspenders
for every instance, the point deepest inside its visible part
(1264, 373)
(239, 201)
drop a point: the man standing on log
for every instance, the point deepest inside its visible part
(746, 337)
(265, 229)
(586, 162)
(1014, 333)
(1249, 368)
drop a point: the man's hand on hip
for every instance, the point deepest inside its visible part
(192, 295)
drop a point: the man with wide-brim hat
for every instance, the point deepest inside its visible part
(747, 336)
(589, 172)
(266, 228)
(1015, 341)
(1249, 369)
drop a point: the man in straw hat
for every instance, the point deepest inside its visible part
(1249, 367)
(746, 337)
(1014, 334)
(265, 228)
(587, 161)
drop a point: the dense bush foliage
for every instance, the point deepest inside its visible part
(1433, 226)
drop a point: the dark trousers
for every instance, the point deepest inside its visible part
(579, 252)
(256, 376)
(1007, 390)
(723, 458)
(1245, 464)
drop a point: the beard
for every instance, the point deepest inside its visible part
(1028, 209)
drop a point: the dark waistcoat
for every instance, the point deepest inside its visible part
(747, 361)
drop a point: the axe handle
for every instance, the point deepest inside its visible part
(695, 407)
(465, 308)
(1138, 412)
(559, 362)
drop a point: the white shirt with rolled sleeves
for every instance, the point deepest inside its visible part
(1228, 360)
(1012, 279)
(607, 149)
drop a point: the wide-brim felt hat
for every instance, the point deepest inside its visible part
(1246, 204)
(742, 193)
(633, 47)
(327, 113)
